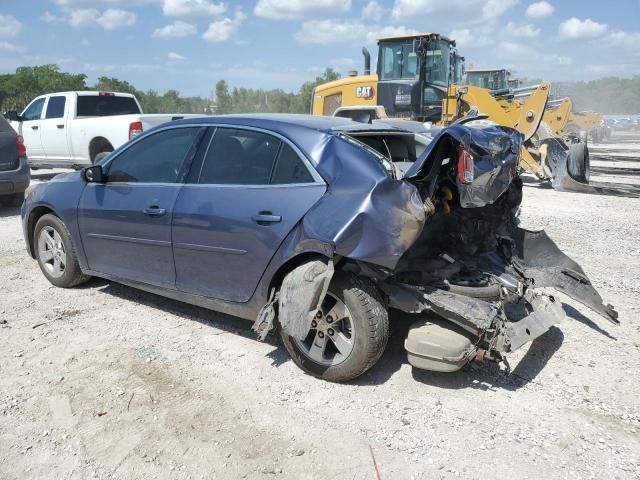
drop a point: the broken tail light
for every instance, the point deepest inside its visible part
(465, 166)
(135, 128)
(22, 150)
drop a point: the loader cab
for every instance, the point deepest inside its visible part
(414, 72)
(489, 78)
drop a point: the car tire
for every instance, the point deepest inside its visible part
(365, 326)
(578, 163)
(56, 254)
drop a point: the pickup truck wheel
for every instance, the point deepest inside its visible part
(14, 200)
(55, 253)
(100, 156)
(348, 335)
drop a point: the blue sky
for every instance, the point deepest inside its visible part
(190, 44)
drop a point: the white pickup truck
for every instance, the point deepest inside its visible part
(75, 129)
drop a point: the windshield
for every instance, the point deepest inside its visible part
(106, 106)
(493, 80)
(399, 60)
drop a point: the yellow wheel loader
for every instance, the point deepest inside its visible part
(419, 78)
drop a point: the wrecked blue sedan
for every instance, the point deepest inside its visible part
(314, 228)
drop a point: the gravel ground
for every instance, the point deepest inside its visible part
(104, 381)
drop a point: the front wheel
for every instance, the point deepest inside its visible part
(55, 253)
(578, 162)
(349, 333)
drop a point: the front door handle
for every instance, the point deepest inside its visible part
(60, 126)
(155, 211)
(264, 218)
(34, 127)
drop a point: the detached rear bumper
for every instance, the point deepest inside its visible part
(15, 181)
(458, 328)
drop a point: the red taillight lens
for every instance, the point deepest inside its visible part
(135, 128)
(22, 150)
(465, 166)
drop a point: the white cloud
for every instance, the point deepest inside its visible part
(452, 11)
(175, 30)
(576, 28)
(280, 9)
(325, 32)
(175, 57)
(223, 30)
(192, 8)
(623, 39)
(475, 38)
(83, 17)
(110, 19)
(115, 18)
(49, 17)
(376, 32)
(530, 61)
(106, 3)
(10, 47)
(372, 11)
(524, 31)
(539, 10)
(9, 26)
(496, 8)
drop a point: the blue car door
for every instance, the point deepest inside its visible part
(125, 223)
(253, 188)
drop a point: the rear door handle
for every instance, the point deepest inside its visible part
(155, 211)
(34, 127)
(264, 218)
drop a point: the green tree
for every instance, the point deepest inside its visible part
(107, 84)
(18, 89)
(223, 99)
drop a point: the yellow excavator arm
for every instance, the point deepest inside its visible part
(558, 117)
(523, 116)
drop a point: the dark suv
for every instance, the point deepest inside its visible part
(14, 170)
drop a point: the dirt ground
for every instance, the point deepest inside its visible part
(104, 381)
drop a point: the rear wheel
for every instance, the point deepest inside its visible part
(55, 253)
(100, 156)
(349, 333)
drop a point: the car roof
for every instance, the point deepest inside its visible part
(277, 121)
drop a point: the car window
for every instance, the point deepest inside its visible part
(290, 168)
(105, 105)
(33, 111)
(154, 159)
(239, 157)
(55, 107)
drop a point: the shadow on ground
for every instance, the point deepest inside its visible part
(574, 314)
(490, 376)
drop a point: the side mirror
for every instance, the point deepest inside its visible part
(12, 116)
(94, 174)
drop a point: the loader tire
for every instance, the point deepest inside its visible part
(578, 162)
